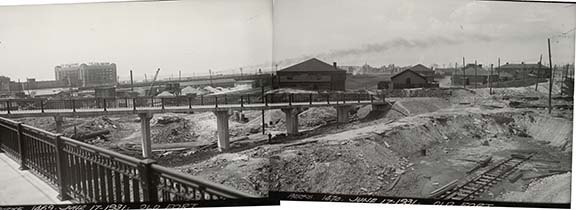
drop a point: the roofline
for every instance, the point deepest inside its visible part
(394, 76)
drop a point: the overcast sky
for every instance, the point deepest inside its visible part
(197, 35)
(408, 32)
(191, 35)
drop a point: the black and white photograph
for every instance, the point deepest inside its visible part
(211, 103)
(134, 102)
(463, 100)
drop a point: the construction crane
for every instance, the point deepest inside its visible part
(153, 80)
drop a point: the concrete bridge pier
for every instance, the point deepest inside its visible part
(291, 120)
(342, 113)
(222, 117)
(59, 121)
(146, 136)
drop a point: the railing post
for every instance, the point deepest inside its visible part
(328, 98)
(134, 104)
(310, 98)
(343, 96)
(73, 105)
(21, 147)
(358, 97)
(201, 99)
(126, 102)
(105, 104)
(225, 99)
(162, 103)
(290, 99)
(149, 180)
(371, 98)
(61, 168)
(42, 105)
(241, 101)
(189, 102)
(8, 106)
(216, 100)
(265, 100)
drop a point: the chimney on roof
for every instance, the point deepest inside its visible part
(480, 65)
(335, 66)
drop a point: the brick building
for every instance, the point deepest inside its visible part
(312, 74)
(86, 75)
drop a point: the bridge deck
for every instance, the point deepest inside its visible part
(175, 109)
(22, 187)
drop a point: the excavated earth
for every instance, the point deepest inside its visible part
(416, 149)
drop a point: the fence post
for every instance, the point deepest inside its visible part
(310, 98)
(134, 104)
(73, 105)
(343, 98)
(290, 99)
(216, 100)
(126, 102)
(8, 106)
(225, 99)
(105, 104)
(189, 102)
(328, 98)
(201, 99)
(265, 100)
(358, 97)
(162, 103)
(149, 187)
(42, 105)
(241, 101)
(371, 98)
(61, 168)
(21, 147)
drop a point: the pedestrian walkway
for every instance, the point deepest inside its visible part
(22, 187)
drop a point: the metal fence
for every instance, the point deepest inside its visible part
(135, 103)
(85, 173)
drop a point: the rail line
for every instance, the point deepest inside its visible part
(477, 184)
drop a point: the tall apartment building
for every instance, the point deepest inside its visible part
(85, 75)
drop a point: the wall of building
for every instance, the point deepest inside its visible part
(313, 80)
(400, 80)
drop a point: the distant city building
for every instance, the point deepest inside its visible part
(312, 74)
(473, 74)
(4, 83)
(426, 72)
(86, 75)
(523, 70)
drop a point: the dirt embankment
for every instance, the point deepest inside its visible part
(408, 157)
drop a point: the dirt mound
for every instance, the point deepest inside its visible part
(556, 131)
(553, 189)
(309, 118)
(171, 129)
(369, 159)
(246, 171)
(95, 128)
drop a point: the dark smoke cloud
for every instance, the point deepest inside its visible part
(399, 43)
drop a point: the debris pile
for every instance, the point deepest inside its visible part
(171, 129)
(94, 130)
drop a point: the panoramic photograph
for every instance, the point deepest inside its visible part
(448, 100)
(131, 102)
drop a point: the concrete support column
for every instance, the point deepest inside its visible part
(59, 121)
(222, 117)
(342, 112)
(291, 121)
(146, 136)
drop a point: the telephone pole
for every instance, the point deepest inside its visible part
(131, 81)
(464, 71)
(489, 78)
(475, 73)
(550, 85)
(539, 71)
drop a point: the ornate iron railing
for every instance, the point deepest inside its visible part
(85, 173)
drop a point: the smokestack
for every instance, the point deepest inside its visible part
(335, 66)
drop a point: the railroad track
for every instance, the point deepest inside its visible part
(475, 185)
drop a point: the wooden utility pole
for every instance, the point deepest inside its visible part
(539, 71)
(131, 81)
(565, 78)
(476, 74)
(179, 75)
(489, 78)
(464, 71)
(498, 71)
(550, 86)
(454, 73)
